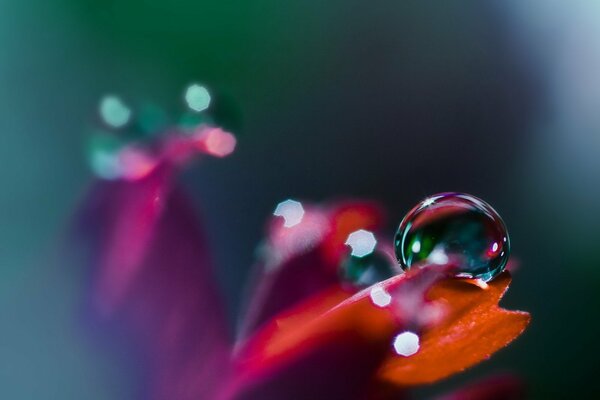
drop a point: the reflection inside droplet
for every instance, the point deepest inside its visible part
(416, 247)
(438, 256)
(406, 344)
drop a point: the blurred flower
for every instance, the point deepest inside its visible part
(304, 333)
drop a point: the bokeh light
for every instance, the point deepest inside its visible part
(406, 344)
(291, 211)
(197, 97)
(362, 242)
(114, 112)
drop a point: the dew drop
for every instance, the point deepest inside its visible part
(454, 228)
(367, 270)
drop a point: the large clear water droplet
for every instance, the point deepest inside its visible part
(454, 228)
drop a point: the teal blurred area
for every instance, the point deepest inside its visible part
(389, 100)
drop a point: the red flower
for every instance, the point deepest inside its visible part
(304, 335)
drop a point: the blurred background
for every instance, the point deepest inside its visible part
(386, 100)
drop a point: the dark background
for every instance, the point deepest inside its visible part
(385, 100)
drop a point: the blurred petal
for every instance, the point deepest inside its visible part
(303, 259)
(330, 346)
(152, 279)
(473, 328)
(342, 343)
(119, 220)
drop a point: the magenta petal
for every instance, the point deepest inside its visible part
(279, 289)
(302, 260)
(152, 281)
(118, 221)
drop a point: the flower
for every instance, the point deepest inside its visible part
(304, 334)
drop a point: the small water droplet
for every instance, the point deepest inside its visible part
(367, 270)
(457, 228)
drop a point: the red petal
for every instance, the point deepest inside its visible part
(473, 329)
(334, 342)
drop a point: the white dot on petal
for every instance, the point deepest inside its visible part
(380, 297)
(362, 242)
(406, 344)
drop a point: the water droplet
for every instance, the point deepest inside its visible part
(367, 270)
(457, 228)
